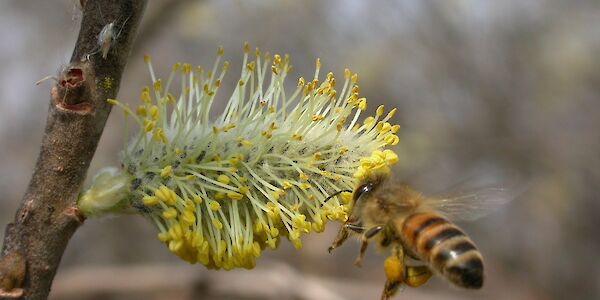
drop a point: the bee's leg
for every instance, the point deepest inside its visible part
(364, 242)
(343, 234)
(358, 228)
(416, 276)
(340, 239)
(395, 272)
(390, 288)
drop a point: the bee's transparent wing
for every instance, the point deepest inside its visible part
(470, 206)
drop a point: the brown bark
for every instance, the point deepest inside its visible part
(36, 239)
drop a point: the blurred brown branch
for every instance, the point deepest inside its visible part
(269, 280)
(160, 13)
(35, 241)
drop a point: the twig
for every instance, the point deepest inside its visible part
(35, 241)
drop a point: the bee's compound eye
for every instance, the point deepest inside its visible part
(362, 190)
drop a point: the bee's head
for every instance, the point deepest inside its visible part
(366, 187)
(361, 191)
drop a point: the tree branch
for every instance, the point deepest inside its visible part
(35, 241)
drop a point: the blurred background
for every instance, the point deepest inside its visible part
(501, 93)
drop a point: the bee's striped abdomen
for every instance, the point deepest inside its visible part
(444, 247)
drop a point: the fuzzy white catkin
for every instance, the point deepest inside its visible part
(222, 190)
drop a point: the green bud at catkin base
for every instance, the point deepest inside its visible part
(109, 193)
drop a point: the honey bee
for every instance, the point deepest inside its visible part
(418, 228)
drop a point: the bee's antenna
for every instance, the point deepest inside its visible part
(335, 194)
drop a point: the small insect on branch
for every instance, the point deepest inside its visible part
(107, 38)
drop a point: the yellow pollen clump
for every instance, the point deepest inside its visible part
(218, 225)
(224, 179)
(244, 189)
(362, 104)
(228, 127)
(166, 195)
(379, 111)
(235, 196)
(316, 118)
(346, 197)
(166, 171)
(157, 86)
(391, 113)
(188, 217)
(141, 111)
(148, 125)
(214, 205)
(286, 184)
(150, 200)
(246, 143)
(159, 135)
(303, 177)
(169, 213)
(154, 112)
